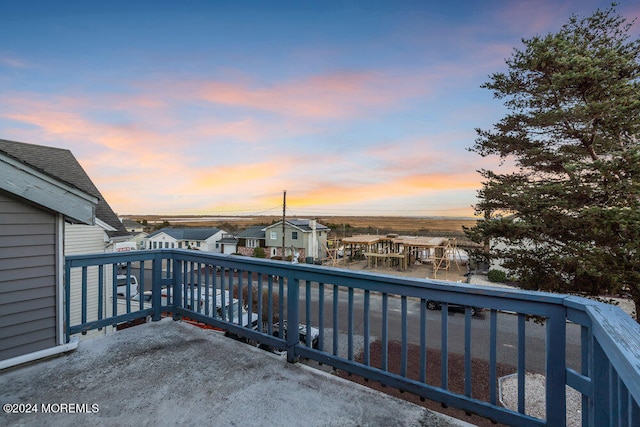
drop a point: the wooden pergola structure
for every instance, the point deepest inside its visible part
(392, 250)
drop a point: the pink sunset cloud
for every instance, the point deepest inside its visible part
(145, 168)
(13, 62)
(542, 17)
(237, 175)
(632, 12)
(140, 137)
(80, 132)
(428, 153)
(416, 185)
(330, 96)
(534, 17)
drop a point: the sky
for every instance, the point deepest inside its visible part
(217, 107)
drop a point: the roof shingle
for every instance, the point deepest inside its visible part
(187, 233)
(60, 164)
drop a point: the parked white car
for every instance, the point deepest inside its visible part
(220, 311)
(122, 282)
(134, 303)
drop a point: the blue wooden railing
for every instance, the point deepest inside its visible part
(588, 346)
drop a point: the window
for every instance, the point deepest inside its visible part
(217, 245)
(172, 245)
(252, 243)
(274, 235)
(166, 245)
(294, 235)
(198, 244)
(155, 245)
(180, 245)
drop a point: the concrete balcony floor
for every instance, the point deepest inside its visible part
(167, 372)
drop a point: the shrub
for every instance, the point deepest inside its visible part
(259, 252)
(497, 276)
(275, 301)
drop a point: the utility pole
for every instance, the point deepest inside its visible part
(284, 210)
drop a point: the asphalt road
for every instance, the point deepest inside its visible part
(507, 329)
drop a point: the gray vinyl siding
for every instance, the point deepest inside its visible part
(27, 278)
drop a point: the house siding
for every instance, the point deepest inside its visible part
(165, 241)
(210, 243)
(161, 240)
(301, 244)
(87, 239)
(27, 278)
(247, 251)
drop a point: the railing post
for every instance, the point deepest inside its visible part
(601, 377)
(176, 292)
(156, 288)
(556, 390)
(293, 316)
(67, 300)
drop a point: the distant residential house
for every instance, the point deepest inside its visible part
(305, 237)
(203, 239)
(140, 239)
(250, 239)
(228, 244)
(138, 235)
(132, 226)
(49, 208)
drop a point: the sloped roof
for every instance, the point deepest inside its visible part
(229, 239)
(302, 224)
(253, 232)
(187, 233)
(129, 223)
(61, 164)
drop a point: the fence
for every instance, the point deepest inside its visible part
(380, 327)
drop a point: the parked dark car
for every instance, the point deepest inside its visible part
(436, 305)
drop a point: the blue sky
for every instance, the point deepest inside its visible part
(214, 107)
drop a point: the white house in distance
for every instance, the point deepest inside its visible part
(306, 237)
(132, 226)
(228, 244)
(202, 239)
(137, 232)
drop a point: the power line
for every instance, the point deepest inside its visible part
(402, 210)
(363, 210)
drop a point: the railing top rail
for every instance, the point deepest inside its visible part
(358, 279)
(81, 260)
